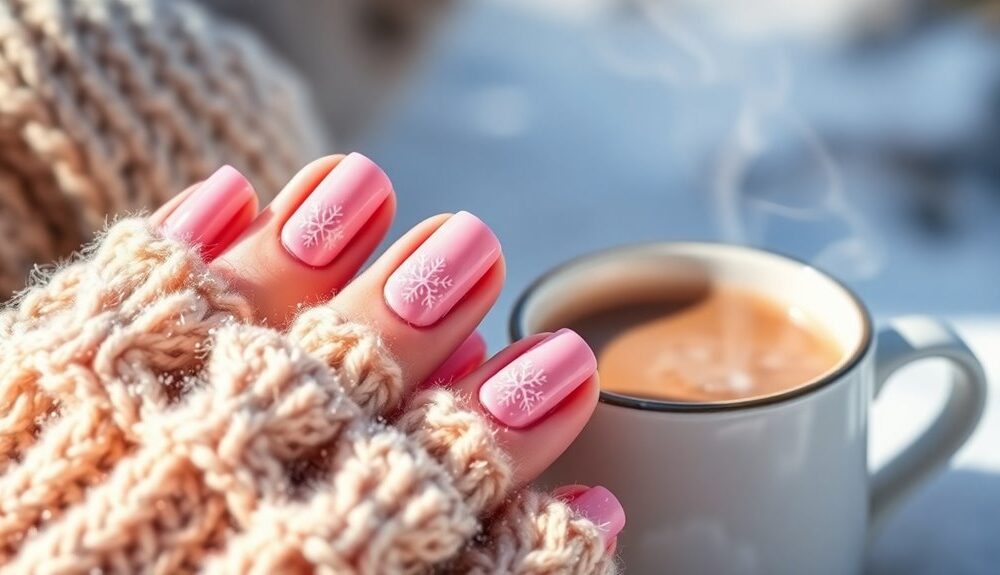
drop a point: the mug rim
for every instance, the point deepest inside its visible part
(516, 332)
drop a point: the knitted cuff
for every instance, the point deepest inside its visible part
(530, 533)
(536, 534)
(368, 372)
(146, 426)
(462, 441)
(383, 506)
(199, 469)
(86, 357)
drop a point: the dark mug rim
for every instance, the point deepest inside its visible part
(651, 404)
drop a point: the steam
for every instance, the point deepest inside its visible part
(755, 189)
(855, 255)
(745, 214)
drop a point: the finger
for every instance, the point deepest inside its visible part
(312, 238)
(426, 294)
(539, 393)
(210, 214)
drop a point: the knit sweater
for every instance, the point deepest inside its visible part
(147, 425)
(113, 106)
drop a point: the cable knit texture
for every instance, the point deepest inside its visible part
(146, 425)
(109, 106)
(367, 370)
(535, 534)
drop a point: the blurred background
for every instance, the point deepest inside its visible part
(862, 136)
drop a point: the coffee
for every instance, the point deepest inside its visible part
(718, 344)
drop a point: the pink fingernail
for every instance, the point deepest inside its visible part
(469, 355)
(603, 509)
(335, 210)
(530, 386)
(203, 216)
(442, 270)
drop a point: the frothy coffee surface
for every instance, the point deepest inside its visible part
(724, 344)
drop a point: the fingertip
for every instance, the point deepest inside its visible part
(163, 212)
(529, 388)
(210, 214)
(599, 505)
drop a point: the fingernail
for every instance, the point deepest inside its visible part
(442, 270)
(335, 211)
(467, 357)
(530, 386)
(203, 216)
(603, 509)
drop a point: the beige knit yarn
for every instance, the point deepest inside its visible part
(109, 106)
(147, 426)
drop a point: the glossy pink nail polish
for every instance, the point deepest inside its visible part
(203, 216)
(467, 357)
(442, 270)
(335, 210)
(603, 509)
(530, 386)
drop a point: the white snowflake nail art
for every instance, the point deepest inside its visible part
(423, 279)
(322, 226)
(521, 384)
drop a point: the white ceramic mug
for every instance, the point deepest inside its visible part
(770, 486)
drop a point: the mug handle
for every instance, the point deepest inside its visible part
(905, 340)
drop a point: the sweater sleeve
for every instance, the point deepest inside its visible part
(87, 355)
(527, 532)
(148, 426)
(536, 534)
(113, 106)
